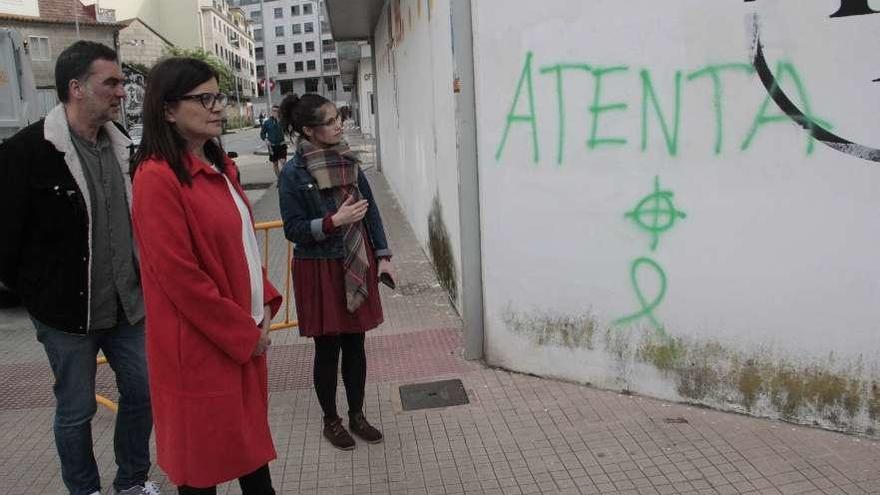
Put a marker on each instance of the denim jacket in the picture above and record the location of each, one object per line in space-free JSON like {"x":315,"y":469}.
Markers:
{"x":304,"y":206}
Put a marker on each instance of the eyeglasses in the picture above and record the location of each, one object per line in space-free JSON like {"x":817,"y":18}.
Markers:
{"x":331,"y":121}
{"x":208,"y":100}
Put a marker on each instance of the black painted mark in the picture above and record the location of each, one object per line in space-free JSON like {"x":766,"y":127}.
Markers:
{"x":794,"y":113}
{"x":850,"y":8}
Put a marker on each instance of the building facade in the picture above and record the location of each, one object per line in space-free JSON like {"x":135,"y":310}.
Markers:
{"x":50,"y":26}
{"x":227,"y":33}
{"x":643,"y":195}
{"x":213,"y":25}
{"x":294,"y":47}
{"x":140,"y":44}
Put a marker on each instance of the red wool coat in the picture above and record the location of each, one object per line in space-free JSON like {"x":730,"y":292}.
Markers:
{"x":210,"y":397}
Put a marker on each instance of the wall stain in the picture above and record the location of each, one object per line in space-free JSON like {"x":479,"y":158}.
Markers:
{"x":570,"y":331}
{"x":441,"y":250}
{"x":828,"y":392}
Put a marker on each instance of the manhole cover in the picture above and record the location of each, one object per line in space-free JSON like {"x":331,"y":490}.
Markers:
{"x":675,"y":421}
{"x":435,"y":394}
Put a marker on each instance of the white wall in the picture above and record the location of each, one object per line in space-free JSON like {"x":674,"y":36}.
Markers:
{"x":417,"y":125}
{"x":365,"y":92}
{"x":20,"y":7}
{"x":772,"y":279}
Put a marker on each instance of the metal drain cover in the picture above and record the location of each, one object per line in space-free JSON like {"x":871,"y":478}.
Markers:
{"x":434,"y":394}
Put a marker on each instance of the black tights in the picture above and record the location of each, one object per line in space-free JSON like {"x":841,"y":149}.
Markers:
{"x":354,"y":371}
{"x":257,"y":483}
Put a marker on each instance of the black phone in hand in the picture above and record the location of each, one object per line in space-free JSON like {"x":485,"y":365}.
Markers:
{"x":386,"y":279}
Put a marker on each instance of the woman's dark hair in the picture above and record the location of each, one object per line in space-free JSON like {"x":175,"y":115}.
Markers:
{"x":297,"y":112}
{"x":167,"y":81}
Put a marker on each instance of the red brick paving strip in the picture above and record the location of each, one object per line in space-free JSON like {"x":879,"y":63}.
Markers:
{"x":400,"y":357}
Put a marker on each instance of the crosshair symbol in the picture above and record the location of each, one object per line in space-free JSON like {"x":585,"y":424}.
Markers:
{"x":656,"y":213}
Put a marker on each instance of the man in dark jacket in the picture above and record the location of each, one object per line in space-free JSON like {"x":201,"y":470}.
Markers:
{"x":67,"y":252}
{"x":272,"y":134}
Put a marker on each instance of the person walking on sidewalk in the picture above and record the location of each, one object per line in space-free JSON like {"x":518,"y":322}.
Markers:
{"x":340,"y":250}
{"x":208,"y":299}
{"x":273,"y":136}
{"x":67,"y":251}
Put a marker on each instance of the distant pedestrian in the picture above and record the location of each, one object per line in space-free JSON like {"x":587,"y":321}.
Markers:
{"x":273,"y":136}
{"x":67,"y":251}
{"x":209,"y":302}
{"x":261,"y":118}
{"x":340,"y":252}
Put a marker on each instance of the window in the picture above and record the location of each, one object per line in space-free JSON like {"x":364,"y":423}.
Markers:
{"x":216,"y":49}
{"x":297,"y":48}
{"x":330,"y":82}
{"x":310,"y":46}
{"x":39,"y":48}
{"x":294,"y":11}
{"x":312,"y":85}
{"x":297,"y":66}
{"x":330,"y":65}
{"x":309,"y":27}
{"x":279,"y":49}
{"x":256,"y":16}
{"x":328,"y":45}
{"x":279,"y":31}
{"x":279,"y":13}
{"x":310,"y":65}
{"x":325,"y":27}
{"x":261,"y":71}
{"x":296,"y":29}
{"x":282,"y":68}
{"x":258,"y":54}
{"x":258,"y":35}
{"x":307,"y":9}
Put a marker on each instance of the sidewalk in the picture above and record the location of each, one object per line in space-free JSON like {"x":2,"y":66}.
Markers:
{"x":518,"y":435}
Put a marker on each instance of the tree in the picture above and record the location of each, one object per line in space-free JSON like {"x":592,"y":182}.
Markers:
{"x":219,"y":66}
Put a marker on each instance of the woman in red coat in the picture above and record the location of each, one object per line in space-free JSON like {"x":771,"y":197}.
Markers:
{"x":209,"y":304}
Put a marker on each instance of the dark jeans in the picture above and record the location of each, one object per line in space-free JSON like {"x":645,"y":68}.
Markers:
{"x":257,"y":483}
{"x":72,"y":358}
{"x":354,"y":371}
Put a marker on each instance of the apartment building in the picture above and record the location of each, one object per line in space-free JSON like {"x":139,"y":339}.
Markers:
{"x":213,"y":25}
{"x":294,"y":47}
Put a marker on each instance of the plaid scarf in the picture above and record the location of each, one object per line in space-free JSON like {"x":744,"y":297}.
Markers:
{"x":336,"y":169}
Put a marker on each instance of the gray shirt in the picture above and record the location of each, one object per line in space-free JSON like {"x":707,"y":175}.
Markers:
{"x":115,"y":284}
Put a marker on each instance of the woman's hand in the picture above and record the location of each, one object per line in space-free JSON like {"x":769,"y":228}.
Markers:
{"x":350,"y":212}
{"x":385,"y":266}
{"x":265,"y":327}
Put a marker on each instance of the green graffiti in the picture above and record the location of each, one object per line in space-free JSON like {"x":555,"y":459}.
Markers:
{"x":597,"y":108}
{"x":560,"y":99}
{"x":785,"y":68}
{"x":656,"y":213}
{"x":524,"y":110}
{"x":647,"y":308}
{"x":713,"y":72}
{"x":648,"y":92}
{"x":512,"y":117}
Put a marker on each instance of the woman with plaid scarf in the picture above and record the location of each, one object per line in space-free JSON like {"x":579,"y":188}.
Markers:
{"x":340,"y":252}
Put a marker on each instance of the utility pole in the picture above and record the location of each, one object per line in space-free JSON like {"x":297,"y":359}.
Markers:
{"x":321,"y":86}
{"x":76,"y":5}
{"x":267,"y":79}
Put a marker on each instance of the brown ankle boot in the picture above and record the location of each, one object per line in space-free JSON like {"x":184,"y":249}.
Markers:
{"x":336,"y":434}
{"x":358,"y":425}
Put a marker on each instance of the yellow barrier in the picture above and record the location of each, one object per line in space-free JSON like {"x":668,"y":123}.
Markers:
{"x":265,"y":228}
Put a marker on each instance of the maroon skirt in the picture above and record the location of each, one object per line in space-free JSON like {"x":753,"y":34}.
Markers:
{"x":319,"y":292}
